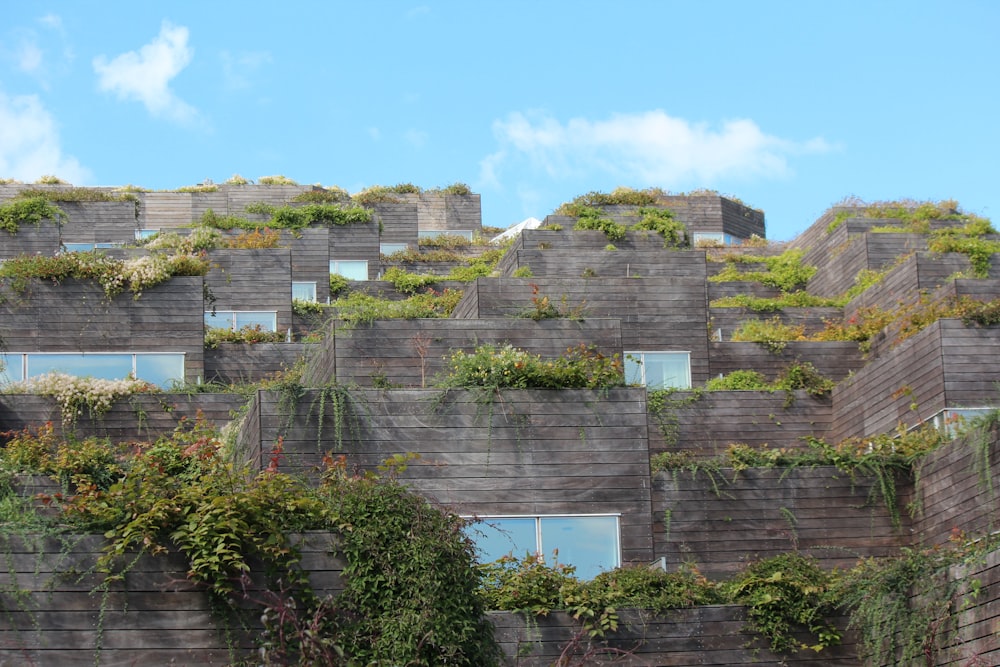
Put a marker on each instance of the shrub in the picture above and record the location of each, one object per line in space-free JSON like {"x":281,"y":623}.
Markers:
{"x":593,"y":219}
{"x":662,"y":221}
{"x":736,"y":380}
{"x":507,"y":367}
{"x":275,"y":180}
{"x":31,"y":210}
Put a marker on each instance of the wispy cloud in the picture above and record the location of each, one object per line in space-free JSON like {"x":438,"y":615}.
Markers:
{"x":145,"y":75}
{"x":238,"y":69}
{"x":28,"y":56}
{"x":649,"y":148}
{"x":29,"y":143}
{"x":418,"y":11}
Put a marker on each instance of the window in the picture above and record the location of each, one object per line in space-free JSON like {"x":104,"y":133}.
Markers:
{"x":391,"y":248}
{"x":951,"y":421}
{"x":352,"y":269}
{"x":304,"y":291}
{"x":713,"y":239}
{"x":658,"y":370}
{"x":591,"y":543}
{"x":267,"y":320}
{"x":85,"y":247}
{"x":143,"y":234}
{"x":466,"y":234}
{"x":159,"y":368}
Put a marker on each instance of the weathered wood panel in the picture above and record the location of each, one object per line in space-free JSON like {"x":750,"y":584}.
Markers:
{"x":721,"y":520}
{"x":835,"y":360}
{"x":239,"y":363}
{"x":707,"y":424}
{"x":77,"y":316}
{"x":252,"y":280}
{"x":707,"y":635}
{"x":656,"y":314}
{"x":412,"y":353}
{"x":40,"y":239}
{"x":165,"y":210}
{"x":523,"y":452}
{"x":140,"y":417}
{"x":945,"y":365}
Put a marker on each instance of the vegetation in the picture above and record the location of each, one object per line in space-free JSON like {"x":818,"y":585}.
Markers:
{"x":410,"y":593}
{"x":329,"y":195}
{"x":912,"y":215}
{"x":28,"y":211}
{"x":249,"y":335}
{"x":360,"y":308}
{"x":593,"y":219}
{"x":290,"y":217}
{"x":785,"y":271}
{"x":662,"y":221}
{"x":507,"y":367}
{"x":115,"y":276}
{"x":275,"y":180}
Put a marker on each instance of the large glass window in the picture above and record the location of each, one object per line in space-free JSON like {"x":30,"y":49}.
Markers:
{"x":159,"y":368}
{"x":391,"y":248}
{"x":590,"y":543}
{"x":267,"y":320}
{"x":11,"y":367}
{"x":304,"y":291}
{"x":658,"y":370}
{"x":352,"y":269}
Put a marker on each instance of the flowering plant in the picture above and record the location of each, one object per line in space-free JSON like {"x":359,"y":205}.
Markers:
{"x":74,"y":394}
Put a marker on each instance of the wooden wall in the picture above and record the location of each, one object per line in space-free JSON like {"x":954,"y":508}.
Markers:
{"x":656,"y":314}
{"x":707,"y":635}
{"x":523,"y":452}
{"x":947,"y":365}
{"x":707,"y":424}
{"x":76,"y":316}
{"x":412,"y":353}
{"x":722,"y":520}
{"x":238,"y":363}
{"x":252,"y":280}
{"x":833,"y":359}
{"x":139,"y":417}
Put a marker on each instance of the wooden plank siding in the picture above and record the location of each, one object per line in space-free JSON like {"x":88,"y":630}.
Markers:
{"x":656,"y":314}
{"x":257,"y":279}
{"x":523,"y":452}
{"x":240,"y":363}
{"x":705,"y":635}
{"x":722,"y":520}
{"x":412,"y":353}
{"x":137,"y":418}
{"x":947,"y":365}
{"x":77,"y":316}
{"x":41,"y":239}
{"x":835,"y":360}
{"x":706,"y":424}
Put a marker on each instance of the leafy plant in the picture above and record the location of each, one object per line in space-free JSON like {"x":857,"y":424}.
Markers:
{"x":406,"y":282}
{"x":772,"y":333}
{"x":328,"y":195}
{"x":785,"y":271}
{"x":662,"y":221}
{"x":784,"y":595}
{"x":248,"y":335}
{"x":738,"y":380}
{"x":31,"y":210}
{"x":594,"y":219}
{"x":507,"y":367}
{"x":358,"y":307}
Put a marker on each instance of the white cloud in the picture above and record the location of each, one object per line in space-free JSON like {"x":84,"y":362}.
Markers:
{"x":649,"y":148}
{"x":29,"y":143}
{"x":29,"y":57}
{"x":238,"y":68}
{"x":374,"y":133}
{"x":145,"y":75}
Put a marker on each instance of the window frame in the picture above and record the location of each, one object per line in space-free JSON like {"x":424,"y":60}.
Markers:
{"x":638,"y":357}
{"x":233,"y":315}
{"x":310,"y":283}
{"x":540,"y":542}
{"x":23,"y":373}
{"x":335,"y":268}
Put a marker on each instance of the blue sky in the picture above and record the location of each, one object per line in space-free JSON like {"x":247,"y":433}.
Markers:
{"x":790,"y":106}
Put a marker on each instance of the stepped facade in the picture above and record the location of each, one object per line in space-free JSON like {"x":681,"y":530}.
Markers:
{"x":608,"y":476}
